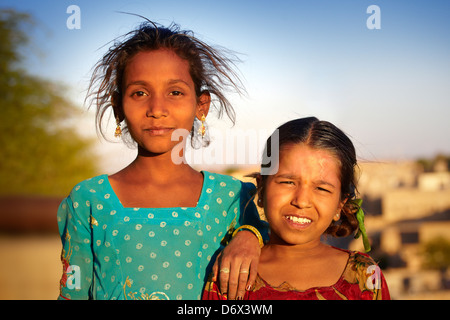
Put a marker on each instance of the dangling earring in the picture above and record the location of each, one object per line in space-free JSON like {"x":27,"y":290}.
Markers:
{"x":118,"y":132}
{"x":202,"y":129}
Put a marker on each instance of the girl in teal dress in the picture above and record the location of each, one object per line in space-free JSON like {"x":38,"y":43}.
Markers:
{"x":154,"y":229}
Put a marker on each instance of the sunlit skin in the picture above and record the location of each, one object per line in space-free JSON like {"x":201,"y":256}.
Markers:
{"x":159,"y":97}
{"x":300,"y":202}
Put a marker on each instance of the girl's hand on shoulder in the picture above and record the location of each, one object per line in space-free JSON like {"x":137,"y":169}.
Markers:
{"x":236,"y":266}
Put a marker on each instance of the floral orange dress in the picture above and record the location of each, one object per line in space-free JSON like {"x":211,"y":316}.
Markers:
{"x":362,"y":279}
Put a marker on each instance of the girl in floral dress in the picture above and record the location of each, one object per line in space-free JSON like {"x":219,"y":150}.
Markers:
{"x":312,"y":193}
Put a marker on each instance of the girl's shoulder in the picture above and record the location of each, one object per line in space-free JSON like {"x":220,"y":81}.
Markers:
{"x":90,"y":186}
{"x":360,"y":267}
{"x":82,"y":195}
{"x":218,"y":177}
{"x":361,"y":259}
{"x":357,"y":258}
{"x":226,"y":181}
{"x":364,"y":272}
{"x":226,"y":189}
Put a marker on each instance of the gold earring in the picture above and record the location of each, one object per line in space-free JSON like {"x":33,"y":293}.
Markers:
{"x":202,"y":129}
{"x":118,"y":132}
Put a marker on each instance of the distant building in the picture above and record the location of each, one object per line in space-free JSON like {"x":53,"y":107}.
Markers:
{"x":406,"y":207}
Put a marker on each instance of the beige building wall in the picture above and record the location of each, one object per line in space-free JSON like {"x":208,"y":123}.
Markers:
{"x":403,"y":204}
{"x":378,"y":178}
{"x":434,"y":181}
{"x":432,"y":230}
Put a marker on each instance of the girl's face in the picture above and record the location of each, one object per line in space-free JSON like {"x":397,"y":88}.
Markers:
{"x":303,"y":197}
{"x":158,"y":98}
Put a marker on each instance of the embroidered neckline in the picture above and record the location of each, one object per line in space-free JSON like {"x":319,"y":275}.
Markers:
{"x":285,"y":286}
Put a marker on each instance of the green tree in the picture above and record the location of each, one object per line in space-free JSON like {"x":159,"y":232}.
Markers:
{"x":42,"y":152}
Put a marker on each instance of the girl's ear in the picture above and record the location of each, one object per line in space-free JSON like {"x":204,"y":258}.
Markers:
{"x":203,"y":104}
{"x":116,"y":103}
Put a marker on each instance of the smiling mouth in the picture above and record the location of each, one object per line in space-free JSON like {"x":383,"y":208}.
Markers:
{"x":298,"y":221}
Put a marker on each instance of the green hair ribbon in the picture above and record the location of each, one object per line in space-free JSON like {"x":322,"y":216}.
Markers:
{"x":362,"y":228}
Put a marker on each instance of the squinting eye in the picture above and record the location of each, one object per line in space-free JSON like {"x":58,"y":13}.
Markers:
{"x":139,"y":94}
{"x":176,"y":93}
{"x":322,"y":189}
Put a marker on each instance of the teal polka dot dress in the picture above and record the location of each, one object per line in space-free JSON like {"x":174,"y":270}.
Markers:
{"x":113,"y":252}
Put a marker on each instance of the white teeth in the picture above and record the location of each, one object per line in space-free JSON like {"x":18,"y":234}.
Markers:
{"x":299,"y":219}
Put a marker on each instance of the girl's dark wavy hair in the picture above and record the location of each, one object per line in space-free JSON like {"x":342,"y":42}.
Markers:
{"x":323,"y":135}
{"x":211,"y":69}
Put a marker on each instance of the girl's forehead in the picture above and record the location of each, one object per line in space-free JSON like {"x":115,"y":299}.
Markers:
{"x":301,"y":158}
{"x":157,"y":60}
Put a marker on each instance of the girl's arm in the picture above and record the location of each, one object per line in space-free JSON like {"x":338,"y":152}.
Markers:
{"x":76,"y":255}
{"x":237,"y":265}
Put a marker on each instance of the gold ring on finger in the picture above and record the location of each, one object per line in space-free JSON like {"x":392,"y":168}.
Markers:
{"x":225,"y":270}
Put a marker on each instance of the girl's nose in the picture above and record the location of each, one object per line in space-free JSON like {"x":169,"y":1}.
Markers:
{"x":301,"y":197}
{"x":156,"y":108}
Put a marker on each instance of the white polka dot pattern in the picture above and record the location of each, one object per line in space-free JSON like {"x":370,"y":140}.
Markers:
{"x":146,"y":253}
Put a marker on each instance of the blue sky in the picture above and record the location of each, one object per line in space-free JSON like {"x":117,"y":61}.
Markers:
{"x":387,"y":88}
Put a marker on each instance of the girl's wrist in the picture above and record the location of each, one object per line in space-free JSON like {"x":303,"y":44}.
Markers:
{"x":253,"y":230}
